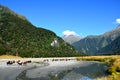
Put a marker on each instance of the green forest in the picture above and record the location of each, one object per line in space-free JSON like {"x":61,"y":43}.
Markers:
{"x":19,"y":37}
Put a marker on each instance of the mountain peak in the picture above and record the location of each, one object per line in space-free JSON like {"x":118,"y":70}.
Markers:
{"x":70,"y":35}
{"x":71,"y":38}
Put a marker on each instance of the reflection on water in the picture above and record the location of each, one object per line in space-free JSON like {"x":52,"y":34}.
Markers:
{"x":83,"y":78}
{"x":80,"y":71}
{"x":89,"y":72}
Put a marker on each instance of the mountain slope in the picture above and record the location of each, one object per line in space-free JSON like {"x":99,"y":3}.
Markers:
{"x":112,"y":49}
{"x":91,"y":44}
{"x":19,"y":37}
{"x":71,"y":38}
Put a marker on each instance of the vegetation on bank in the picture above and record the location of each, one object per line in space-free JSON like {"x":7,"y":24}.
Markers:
{"x":112,"y":61}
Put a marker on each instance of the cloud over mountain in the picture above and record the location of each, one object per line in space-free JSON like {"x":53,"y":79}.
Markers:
{"x":118,"y":20}
{"x":71,"y":36}
{"x":68,"y":32}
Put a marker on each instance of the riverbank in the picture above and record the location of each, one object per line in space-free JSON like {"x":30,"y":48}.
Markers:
{"x":9,"y":57}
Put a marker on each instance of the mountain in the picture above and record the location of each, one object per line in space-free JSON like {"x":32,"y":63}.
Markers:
{"x":71,"y":38}
{"x":19,"y":37}
{"x":92,"y":44}
{"x":112,"y":49}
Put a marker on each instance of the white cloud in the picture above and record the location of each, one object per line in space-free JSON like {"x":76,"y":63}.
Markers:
{"x":68,"y":32}
{"x":118,"y":20}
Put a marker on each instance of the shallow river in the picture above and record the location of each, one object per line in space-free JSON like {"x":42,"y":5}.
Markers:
{"x":64,"y":70}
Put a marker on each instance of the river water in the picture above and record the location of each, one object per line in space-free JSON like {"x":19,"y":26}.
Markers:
{"x":65,"y":70}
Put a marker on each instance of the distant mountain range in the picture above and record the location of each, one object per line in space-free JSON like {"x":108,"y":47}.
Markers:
{"x":111,"y":49}
{"x":19,"y":37}
{"x":101,"y":44}
{"x":71,"y":38}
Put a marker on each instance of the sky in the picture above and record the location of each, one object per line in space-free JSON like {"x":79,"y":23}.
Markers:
{"x":65,"y":17}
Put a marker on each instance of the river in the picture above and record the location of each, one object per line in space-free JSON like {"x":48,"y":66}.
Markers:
{"x":65,"y":70}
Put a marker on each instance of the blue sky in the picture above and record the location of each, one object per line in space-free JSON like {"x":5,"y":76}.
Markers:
{"x":81,"y":17}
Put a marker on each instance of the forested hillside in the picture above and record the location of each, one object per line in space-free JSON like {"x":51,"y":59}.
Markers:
{"x":19,"y":37}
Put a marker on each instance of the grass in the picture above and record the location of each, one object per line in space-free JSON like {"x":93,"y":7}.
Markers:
{"x":9,"y":57}
{"x":112,"y":61}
